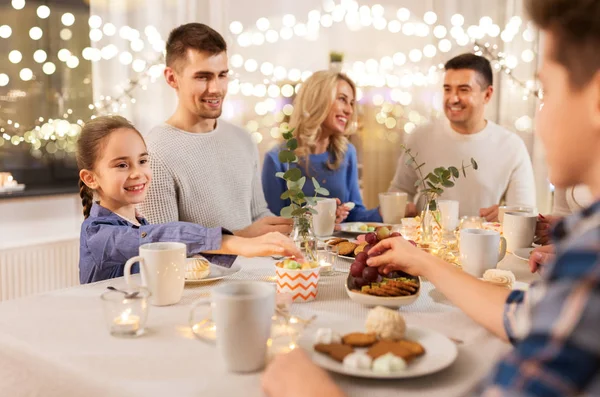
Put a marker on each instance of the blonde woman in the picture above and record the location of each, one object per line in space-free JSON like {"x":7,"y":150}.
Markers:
{"x":324,"y":115}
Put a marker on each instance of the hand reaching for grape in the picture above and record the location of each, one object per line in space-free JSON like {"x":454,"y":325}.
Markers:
{"x":397,"y":254}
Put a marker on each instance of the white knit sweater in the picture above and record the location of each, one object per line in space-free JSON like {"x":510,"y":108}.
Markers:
{"x":207,"y":178}
{"x":505,"y":168}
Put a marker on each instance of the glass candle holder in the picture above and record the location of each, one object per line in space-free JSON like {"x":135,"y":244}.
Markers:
{"x":126,"y":312}
{"x":326,"y":258}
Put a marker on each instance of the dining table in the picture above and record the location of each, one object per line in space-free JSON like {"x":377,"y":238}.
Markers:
{"x":58,"y":344}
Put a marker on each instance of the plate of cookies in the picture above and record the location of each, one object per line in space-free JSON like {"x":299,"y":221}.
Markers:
{"x":383,"y":348}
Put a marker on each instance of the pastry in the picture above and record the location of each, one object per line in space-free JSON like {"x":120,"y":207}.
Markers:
{"x":388,"y":363}
{"x":327,"y":336}
{"x":415,"y":348}
{"x":384,"y":347}
{"x":387,"y":324}
{"x":502,"y":278}
{"x":360,"y":248}
{"x":359,"y":339}
{"x":197,"y":268}
{"x":357,"y":360}
{"x":346,"y":248}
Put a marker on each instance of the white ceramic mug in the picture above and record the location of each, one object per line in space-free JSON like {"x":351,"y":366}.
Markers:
{"x":242,"y":313}
{"x":163,"y":271}
{"x":504,"y":209}
{"x":392,"y":206}
{"x":449,"y":213}
{"x":480,"y":250}
{"x":324,"y":220}
{"x":519,"y":229}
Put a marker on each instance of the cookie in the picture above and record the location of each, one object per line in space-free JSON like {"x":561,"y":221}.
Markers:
{"x":384,"y":347}
{"x":360,"y":248}
{"x":415,"y":348}
{"x":336,"y":241}
{"x":337,"y":351}
{"x":346,"y":248}
{"x":359,"y":339}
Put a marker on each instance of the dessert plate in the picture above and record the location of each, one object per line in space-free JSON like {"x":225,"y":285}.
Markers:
{"x":440,"y":352}
{"x":523,"y":253}
{"x":216,"y":273}
{"x":353,"y":227}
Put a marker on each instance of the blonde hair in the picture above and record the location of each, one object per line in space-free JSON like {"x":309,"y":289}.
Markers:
{"x":311,"y":108}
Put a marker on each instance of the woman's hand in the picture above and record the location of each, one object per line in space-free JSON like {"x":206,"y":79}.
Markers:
{"x":398,"y":254}
{"x":341,"y":213}
{"x":543,"y":227}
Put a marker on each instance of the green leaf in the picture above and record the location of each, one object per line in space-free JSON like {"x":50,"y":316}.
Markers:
{"x":285,"y":195}
{"x":300,"y":195}
{"x":432,"y":205}
{"x":299,"y":211}
{"x":322,"y":191}
{"x":463,"y":169}
{"x":280,"y":175}
{"x":293,"y":174}
{"x":433,"y":178}
{"x":311,"y":201}
{"x":439,"y":191}
{"x":474,"y":164}
{"x":431,"y":185}
{"x":418,"y":182}
{"x":287,"y":135}
{"x":301,"y":182}
{"x":454,"y":172}
{"x":446,"y":175}
{"x":286,"y":212}
{"x":408,"y":161}
{"x":447,"y":183}
{"x":417,"y":168}
{"x":292,"y":144}
{"x":313,"y":211}
{"x":315,"y":183}
{"x":285,"y":156}
{"x":439,"y":171}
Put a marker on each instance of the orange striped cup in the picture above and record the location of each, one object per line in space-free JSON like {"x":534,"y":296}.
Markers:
{"x":301,"y":285}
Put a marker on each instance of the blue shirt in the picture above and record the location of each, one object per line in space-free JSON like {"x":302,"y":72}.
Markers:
{"x":341,"y":183}
{"x":107,"y":241}
{"x":555,"y":325}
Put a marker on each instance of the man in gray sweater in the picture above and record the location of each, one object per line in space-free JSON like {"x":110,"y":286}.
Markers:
{"x":205,"y":169}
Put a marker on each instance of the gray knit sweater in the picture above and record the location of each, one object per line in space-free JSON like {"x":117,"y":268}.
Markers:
{"x":207,"y":178}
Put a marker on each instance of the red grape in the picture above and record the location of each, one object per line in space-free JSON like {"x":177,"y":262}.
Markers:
{"x":371,"y":238}
{"x":395,"y":234}
{"x":367,"y":249}
{"x":356,"y":269}
{"x":361,"y":257}
{"x":360,"y":282}
{"x":370,"y":274}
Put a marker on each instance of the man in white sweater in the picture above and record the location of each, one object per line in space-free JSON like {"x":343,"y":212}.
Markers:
{"x":505,"y":169}
{"x":205,"y":169}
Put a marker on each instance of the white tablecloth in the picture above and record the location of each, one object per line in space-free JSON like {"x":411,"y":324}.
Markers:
{"x":57,"y":344}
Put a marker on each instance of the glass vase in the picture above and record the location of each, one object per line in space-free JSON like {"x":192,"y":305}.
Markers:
{"x":304,"y":236}
{"x":431,"y":227}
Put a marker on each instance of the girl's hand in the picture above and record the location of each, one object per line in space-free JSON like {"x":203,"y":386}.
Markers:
{"x":341,"y":212}
{"x":269,"y":244}
{"x":540,"y":257}
{"x":398,"y":254}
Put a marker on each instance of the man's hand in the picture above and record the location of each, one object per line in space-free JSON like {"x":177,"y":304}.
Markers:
{"x":295,"y":375}
{"x":266,"y":225}
{"x":490,"y":214}
{"x":540,"y":257}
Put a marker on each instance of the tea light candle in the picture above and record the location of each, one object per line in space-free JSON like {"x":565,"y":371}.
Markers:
{"x":126,"y":323}
{"x":326,"y":267}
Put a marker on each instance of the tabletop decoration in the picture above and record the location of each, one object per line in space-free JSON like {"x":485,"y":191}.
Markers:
{"x":125,"y":310}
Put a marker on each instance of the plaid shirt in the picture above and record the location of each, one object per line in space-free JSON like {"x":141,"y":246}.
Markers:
{"x":555,"y":326}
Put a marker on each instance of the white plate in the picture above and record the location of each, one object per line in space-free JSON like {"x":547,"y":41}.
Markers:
{"x":15,"y":188}
{"x":216,"y":273}
{"x":372,"y":300}
{"x":440,"y":352}
{"x":520,"y":285}
{"x":351,"y":227}
{"x":523,"y":253}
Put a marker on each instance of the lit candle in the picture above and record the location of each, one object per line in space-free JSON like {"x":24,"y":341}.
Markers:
{"x":126,"y":323}
{"x":325,"y":266}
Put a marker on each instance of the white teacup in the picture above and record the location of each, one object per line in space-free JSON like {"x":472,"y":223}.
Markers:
{"x":480,"y":250}
{"x":504,"y":209}
{"x":392,"y":206}
{"x":449,"y":214}
{"x":324,"y":220}
{"x":163,"y":271}
{"x":242,"y":313}
{"x":519,"y":229}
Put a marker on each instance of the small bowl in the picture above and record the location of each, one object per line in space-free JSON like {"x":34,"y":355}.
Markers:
{"x":372,"y":300}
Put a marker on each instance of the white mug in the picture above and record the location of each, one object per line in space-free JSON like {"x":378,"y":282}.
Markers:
{"x":163,"y":271}
{"x":479,"y":250}
{"x":504,"y":209}
{"x":519,"y":229}
{"x":449,"y":213}
{"x":324,"y":220}
{"x":392,"y":206}
{"x":242,"y":313}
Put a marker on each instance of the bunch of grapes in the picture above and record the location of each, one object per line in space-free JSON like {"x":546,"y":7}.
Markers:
{"x":360,"y":273}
